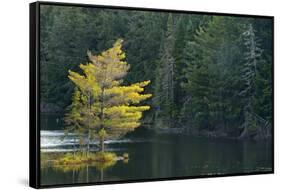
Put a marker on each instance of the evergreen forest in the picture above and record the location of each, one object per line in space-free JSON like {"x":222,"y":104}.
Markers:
{"x":208,"y":75}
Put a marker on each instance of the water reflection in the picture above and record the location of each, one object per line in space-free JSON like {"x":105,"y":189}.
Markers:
{"x":164,"y":156}
{"x":82,"y":172}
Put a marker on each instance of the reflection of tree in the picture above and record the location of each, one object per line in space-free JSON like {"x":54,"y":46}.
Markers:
{"x":80,"y":167}
{"x":100,"y":166}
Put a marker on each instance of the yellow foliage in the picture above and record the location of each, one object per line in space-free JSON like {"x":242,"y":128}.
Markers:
{"x":100,"y":101}
{"x":75,"y":162}
{"x":102,"y":133}
{"x":127,"y":94}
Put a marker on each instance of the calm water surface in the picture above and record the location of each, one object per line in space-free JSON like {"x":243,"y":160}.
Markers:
{"x":156,"y":156}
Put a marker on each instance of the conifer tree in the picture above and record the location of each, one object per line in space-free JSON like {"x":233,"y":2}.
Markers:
{"x":109,"y":108}
{"x":205,"y":75}
{"x":248,"y":75}
{"x":166,"y":79}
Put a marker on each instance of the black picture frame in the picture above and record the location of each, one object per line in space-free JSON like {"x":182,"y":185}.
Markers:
{"x":34,"y":90}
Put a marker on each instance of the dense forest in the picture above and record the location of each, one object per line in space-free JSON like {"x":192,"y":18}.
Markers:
{"x":209,"y":74}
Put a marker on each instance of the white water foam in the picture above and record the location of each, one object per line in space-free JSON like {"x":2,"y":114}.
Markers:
{"x":56,"y":141}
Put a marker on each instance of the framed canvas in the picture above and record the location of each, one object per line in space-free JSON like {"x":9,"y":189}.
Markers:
{"x":122,"y":94}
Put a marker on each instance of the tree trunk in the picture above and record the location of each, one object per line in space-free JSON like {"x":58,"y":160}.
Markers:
{"x":87,"y":174}
{"x":102,"y":120}
{"x":246,"y":124}
{"x":88,"y":143}
{"x":244,"y":133}
{"x":101,"y":144}
{"x":101,"y":175}
{"x":89,"y":134}
{"x":73,"y":154}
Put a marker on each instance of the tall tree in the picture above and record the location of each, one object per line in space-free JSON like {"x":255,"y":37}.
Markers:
{"x":248,"y":75}
{"x":210,"y":67}
{"x":112,"y":108}
{"x":165,"y":99}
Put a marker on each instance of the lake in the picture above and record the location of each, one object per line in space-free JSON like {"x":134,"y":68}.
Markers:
{"x":153,"y":155}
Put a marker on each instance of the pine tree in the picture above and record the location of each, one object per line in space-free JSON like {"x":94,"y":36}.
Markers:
{"x":166,"y":79}
{"x":197,"y":73}
{"x":111,"y":108}
{"x":207,"y":79}
{"x":183,"y":34}
{"x":248,"y":75}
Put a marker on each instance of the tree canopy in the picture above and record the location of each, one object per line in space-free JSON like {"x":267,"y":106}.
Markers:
{"x":207,"y":73}
{"x":101,"y":106}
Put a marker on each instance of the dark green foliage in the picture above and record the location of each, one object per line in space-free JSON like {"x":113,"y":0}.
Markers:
{"x":165,"y":77}
{"x":202,"y":77}
{"x":221,"y":81}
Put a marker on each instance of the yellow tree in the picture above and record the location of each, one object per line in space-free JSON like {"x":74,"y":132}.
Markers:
{"x":106,"y":109}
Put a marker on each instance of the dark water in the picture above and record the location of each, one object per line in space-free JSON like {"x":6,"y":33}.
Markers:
{"x":157,"y":156}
